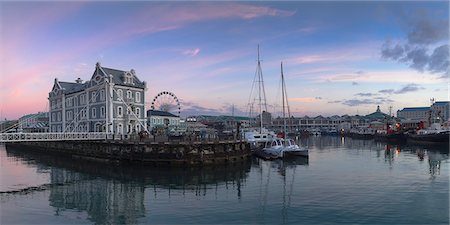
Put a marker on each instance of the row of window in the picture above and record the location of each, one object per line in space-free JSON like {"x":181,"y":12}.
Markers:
{"x":56,"y":117}
{"x":130,"y":128}
{"x":120,"y":111}
{"x":160,"y":121}
{"x":129,"y":96}
{"x":72,"y":101}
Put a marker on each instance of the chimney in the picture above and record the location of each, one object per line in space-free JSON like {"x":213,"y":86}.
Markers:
{"x":79,"y":80}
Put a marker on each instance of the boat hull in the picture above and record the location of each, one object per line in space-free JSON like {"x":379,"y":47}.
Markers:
{"x":439,"y":138}
{"x":395,"y":137}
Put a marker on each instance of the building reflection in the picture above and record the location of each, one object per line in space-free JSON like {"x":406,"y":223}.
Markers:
{"x":115,"y":194}
{"x":434,"y":161}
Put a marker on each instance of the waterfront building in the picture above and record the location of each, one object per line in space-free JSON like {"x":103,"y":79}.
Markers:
{"x":410,"y":117}
{"x":111,"y":101}
{"x":333,"y":123}
{"x":228,"y":123}
{"x":440,"y":111}
{"x":37,"y":122}
{"x":377,"y":116}
{"x":414,"y":113}
{"x":160,"y":120}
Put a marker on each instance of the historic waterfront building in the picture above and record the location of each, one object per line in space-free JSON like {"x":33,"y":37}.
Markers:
{"x":415,"y":113}
{"x":37,"y":122}
{"x":161,"y":119}
{"x":111,"y":101}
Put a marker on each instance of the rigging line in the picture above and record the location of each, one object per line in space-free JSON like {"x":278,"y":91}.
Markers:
{"x":251,"y":91}
{"x":80,"y":111}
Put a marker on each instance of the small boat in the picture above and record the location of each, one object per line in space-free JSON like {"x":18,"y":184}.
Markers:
{"x":256,"y":138}
{"x":435,"y":134}
{"x":430,"y":136}
{"x":274,"y":148}
{"x":291,"y":148}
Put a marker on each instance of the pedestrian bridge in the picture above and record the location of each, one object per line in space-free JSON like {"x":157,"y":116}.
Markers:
{"x":31,"y":137}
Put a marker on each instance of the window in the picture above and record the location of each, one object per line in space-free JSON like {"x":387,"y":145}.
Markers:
{"x":102,"y":112}
{"x":138,"y":97}
{"x":53,"y":117}
{"x":94,"y":96}
{"x":129,"y":128}
{"x":129,"y":95}
{"x":119,"y":94}
{"x":58,"y":103}
{"x":94,"y":113}
{"x":69,"y":115}
{"x":82,"y":99}
{"x":138,"y":112}
{"x":102,"y":95}
{"x":83,"y":113}
{"x":119,"y":128}
{"x":59,"y":116}
{"x":119,"y":111}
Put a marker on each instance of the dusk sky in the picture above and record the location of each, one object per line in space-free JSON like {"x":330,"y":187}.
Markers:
{"x":338,"y":57}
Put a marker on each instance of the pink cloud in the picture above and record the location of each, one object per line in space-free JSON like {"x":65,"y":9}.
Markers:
{"x":304,"y":100}
{"x":192,"y":52}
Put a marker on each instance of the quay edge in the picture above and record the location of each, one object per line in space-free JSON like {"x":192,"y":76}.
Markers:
{"x":151,"y":153}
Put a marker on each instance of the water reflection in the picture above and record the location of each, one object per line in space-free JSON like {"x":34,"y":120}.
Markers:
{"x":115,"y":194}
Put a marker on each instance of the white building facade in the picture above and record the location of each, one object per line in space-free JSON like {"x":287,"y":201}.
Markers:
{"x":111,"y":101}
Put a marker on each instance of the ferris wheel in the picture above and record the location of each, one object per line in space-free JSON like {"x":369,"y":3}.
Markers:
{"x":166,"y":101}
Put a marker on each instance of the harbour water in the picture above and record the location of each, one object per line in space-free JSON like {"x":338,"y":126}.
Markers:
{"x":343,"y":181}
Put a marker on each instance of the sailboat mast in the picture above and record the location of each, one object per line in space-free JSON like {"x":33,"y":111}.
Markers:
{"x":261,"y":92}
{"x":283,"y":96}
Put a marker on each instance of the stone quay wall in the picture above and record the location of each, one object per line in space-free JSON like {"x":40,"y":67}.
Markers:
{"x":155,"y":153}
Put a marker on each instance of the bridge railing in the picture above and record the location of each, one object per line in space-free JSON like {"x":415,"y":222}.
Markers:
{"x":23,"y":137}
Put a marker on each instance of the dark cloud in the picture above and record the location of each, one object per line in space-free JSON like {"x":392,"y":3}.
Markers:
{"x":360,"y":72}
{"x":365,"y":94}
{"x":337,"y":101}
{"x":417,"y":58}
{"x":395,"y":53}
{"x":439,"y":60}
{"x":419,"y":49}
{"x":318,"y":98}
{"x":425,"y":31}
{"x":409,"y":88}
{"x":405,"y":89}
{"x":374,"y":101}
{"x":354,"y":83}
{"x":387,"y":91}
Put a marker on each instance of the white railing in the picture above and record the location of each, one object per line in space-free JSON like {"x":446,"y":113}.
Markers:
{"x":28,"y":137}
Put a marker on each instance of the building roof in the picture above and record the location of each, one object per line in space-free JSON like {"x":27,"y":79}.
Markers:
{"x":118,"y":76}
{"x":441,"y":103}
{"x":411,"y":109}
{"x":377,"y":114}
{"x":160,"y":113}
{"x":72,"y":87}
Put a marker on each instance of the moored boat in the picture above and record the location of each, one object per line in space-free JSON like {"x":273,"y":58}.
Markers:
{"x":433,"y":135}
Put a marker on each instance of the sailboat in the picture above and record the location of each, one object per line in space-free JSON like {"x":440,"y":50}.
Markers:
{"x":284,"y":147}
{"x":258,"y":136}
